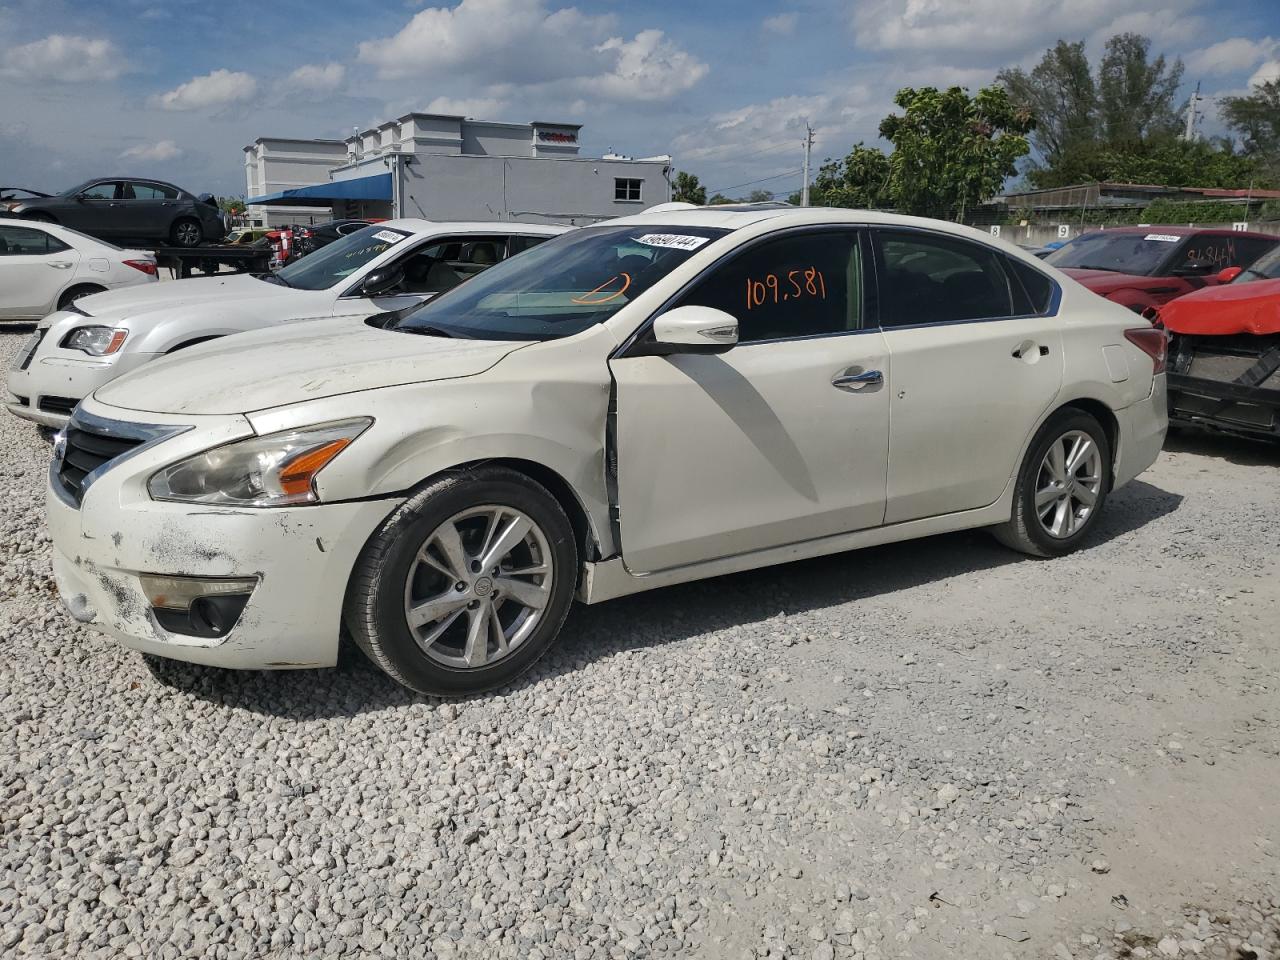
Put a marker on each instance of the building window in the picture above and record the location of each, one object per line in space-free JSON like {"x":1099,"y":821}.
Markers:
{"x":624,"y":189}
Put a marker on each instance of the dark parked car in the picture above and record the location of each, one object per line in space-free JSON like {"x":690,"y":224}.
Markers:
{"x":120,"y":208}
{"x":1143,"y":267}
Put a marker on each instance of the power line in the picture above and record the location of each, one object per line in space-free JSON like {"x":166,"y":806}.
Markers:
{"x":776,"y":176}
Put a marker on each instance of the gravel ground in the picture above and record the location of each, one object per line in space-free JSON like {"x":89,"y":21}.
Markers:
{"x":937,"y":749}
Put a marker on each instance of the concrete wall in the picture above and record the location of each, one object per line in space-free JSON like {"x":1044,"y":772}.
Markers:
{"x":1037,"y":235}
{"x":486,"y":140}
{"x":272,"y":165}
{"x":526,"y":188}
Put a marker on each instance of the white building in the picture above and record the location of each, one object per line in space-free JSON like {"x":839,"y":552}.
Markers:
{"x":449,"y":168}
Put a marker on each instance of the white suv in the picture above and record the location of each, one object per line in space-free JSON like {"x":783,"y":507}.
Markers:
{"x":384,"y":267}
{"x":648,"y":401}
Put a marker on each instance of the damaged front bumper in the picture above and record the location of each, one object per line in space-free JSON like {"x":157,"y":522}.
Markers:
{"x":1226,"y":383}
{"x":120,"y":558}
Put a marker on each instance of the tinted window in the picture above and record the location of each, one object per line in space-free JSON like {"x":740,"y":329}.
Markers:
{"x":1136,"y":253}
{"x":624,"y":189}
{"x":444,"y":264}
{"x":800,"y":285}
{"x":521,"y":244}
{"x":100,"y":191}
{"x":153,"y":191}
{"x":25,"y":241}
{"x":1266,"y":267}
{"x":927,"y":278}
{"x":1208,"y":253}
{"x":1037,"y":288}
{"x":564,"y":286}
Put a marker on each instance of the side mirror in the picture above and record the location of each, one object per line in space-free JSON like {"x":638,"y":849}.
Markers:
{"x":382,"y":280}
{"x":1228,"y":274}
{"x":1193,"y":268}
{"x":691,"y":330}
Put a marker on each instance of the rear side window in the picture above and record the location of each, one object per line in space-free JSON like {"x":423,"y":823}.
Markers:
{"x":1037,"y":288}
{"x":27,"y":242}
{"x":928,"y":278}
{"x":521,"y":244}
{"x":800,"y":285}
{"x":153,"y":191}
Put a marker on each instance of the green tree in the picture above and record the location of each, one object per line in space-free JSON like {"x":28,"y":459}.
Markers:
{"x":1061,"y":93}
{"x":1136,"y":93}
{"x":687,"y":189}
{"x":1255,"y":118}
{"x":231,"y":205}
{"x":759,"y":196}
{"x":720,"y":200}
{"x":953,"y":151}
{"x":862,"y":180}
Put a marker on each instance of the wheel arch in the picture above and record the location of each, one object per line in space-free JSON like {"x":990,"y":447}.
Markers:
{"x":91,"y":288}
{"x":1106,"y":418}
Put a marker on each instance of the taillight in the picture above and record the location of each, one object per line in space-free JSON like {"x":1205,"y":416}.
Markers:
{"x":1153,"y":342}
{"x":146,"y":266}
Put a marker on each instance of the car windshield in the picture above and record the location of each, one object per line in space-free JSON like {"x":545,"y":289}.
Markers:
{"x":1266,"y":267}
{"x":337,"y":261}
{"x":561,"y":287}
{"x":78,"y":188}
{"x":1137,"y":253}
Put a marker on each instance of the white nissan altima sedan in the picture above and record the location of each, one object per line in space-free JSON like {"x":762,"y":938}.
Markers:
{"x":384,"y":267}
{"x":648,"y":401}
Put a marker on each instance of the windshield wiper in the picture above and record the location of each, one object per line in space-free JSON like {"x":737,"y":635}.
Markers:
{"x":427,"y":331}
{"x":1085,"y":266}
{"x":275,"y":278}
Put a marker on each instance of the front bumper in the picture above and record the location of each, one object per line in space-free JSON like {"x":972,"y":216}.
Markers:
{"x":1225,"y":405}
{"x":301,"y":557}
{"x":55,"y":380}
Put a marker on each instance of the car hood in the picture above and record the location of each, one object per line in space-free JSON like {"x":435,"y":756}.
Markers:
{"x":234,"y":288}
{"x":1224,"y":310}
{"x":306,"y":361}
{"x":1105,"y":281}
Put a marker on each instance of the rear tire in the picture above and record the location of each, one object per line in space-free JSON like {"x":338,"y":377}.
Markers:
{"x":186,"y":232}
{"x":78,"y":293}
{"x":1062,"y":486}
{"x":485,"y":562}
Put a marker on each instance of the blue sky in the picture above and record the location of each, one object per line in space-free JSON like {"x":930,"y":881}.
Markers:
{"x":176,"y":89}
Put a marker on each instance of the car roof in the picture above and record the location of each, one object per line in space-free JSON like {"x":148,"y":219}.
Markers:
{"x":430,"y":227}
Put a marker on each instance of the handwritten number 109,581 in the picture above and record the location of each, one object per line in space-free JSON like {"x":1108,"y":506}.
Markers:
{"x":796,"y":285}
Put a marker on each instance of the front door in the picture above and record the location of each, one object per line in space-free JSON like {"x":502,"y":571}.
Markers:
{"x":975,"y":358}
{"x":780,"y":440}
{"x":96,"y":211}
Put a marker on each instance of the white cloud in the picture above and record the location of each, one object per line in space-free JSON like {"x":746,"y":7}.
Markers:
{"x":217,"y":89}
{"x":1231,"y":56}
{"x":1268,"y":71}
{"x":503,"y":44}
{"x":650,"y":67}
{"x":63,"y":58}
{"x":784,"y":24}
{"x":316,"y":77}
{"x":163,"y":150}
{"x":976,"y":28}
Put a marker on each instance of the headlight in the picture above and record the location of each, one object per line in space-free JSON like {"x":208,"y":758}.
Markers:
{"x":272,"y":471}
{"x":95,"y":341}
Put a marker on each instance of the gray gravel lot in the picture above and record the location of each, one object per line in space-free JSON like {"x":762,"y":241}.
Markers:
{"x":937,"y":749}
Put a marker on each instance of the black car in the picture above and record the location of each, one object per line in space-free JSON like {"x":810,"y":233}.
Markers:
{"x":307,"y":239}
{"x":122,"y":208}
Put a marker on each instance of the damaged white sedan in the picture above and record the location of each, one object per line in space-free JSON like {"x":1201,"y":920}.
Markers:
{"x":649,"y":401}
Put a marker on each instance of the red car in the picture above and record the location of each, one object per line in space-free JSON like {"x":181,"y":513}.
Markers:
{"x":1224,"y":353}
{"x":1143,"y":267}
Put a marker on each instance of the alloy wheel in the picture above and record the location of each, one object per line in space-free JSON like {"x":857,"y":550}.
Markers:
{"x":479,"y":586}
{"x":1069,"y":484}
{"x":188,"y":234}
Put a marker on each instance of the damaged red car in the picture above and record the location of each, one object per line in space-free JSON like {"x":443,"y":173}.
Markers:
{"x":1224,"y":353}
{"x":1143,"y":267}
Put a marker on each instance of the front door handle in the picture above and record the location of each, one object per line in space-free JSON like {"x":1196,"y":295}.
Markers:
{"x":858,"y":381}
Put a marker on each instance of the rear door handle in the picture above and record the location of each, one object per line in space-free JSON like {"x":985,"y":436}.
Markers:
{"x":60,"y":264}
{"x":1026,"y":348}
{"x":858,"y":381}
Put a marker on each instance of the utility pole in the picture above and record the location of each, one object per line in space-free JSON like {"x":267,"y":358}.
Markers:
{"x":808,"y":147}
{"x":1192,"y":118}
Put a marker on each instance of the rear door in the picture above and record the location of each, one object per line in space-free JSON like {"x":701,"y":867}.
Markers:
{"x":148,"y":209}
{"x":973,"y":364}
{"x":35,"y":266}
{"x":772,"y":442}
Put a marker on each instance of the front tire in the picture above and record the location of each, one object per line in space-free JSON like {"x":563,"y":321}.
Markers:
{"x":466,"y":585}
{"x":1062,"y":486}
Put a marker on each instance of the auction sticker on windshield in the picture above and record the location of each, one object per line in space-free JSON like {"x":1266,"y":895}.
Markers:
{"x":388,"y":236}
{"x":1162,"y":237}
{"x":678,"y":241}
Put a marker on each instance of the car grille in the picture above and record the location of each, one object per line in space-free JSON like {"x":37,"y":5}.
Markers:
{"x":58,"y":404}
{"x":86,"y":452}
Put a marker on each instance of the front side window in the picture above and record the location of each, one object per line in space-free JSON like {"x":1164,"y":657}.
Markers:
{"x":929,"y":278}
{"x":800,"y":285}
{"x":332,"y":264}
{"x":28,"y":242}
{"x":444,"y":264}
{"x":625,"y":189}
{"x":100,"y":191}
{"x":1266,"y":267}
{"x":521,"y":244}
{"x":564,"y":286}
